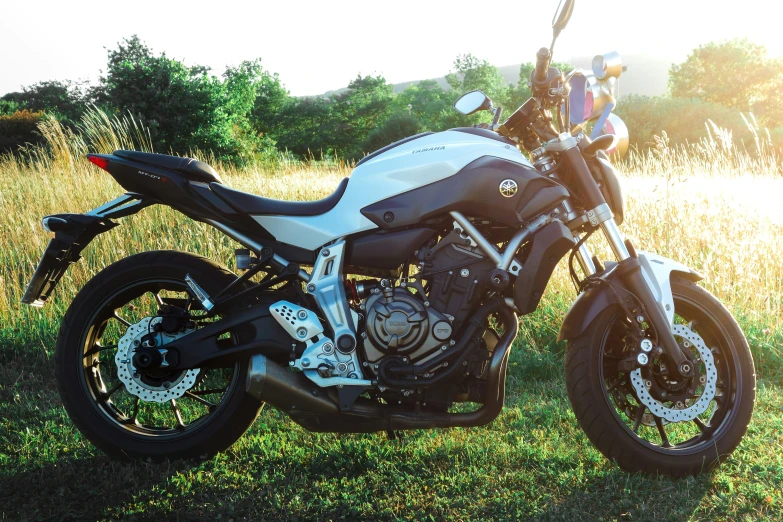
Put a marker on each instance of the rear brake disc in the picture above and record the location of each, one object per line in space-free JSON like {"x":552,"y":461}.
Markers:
{"x":173,"y":388}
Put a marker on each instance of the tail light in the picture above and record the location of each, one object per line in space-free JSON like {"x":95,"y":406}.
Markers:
{"x":101,"y":162}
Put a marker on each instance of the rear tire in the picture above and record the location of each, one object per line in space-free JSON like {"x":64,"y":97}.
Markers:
{"x":102,"y":421}
{"x":609,"y":427}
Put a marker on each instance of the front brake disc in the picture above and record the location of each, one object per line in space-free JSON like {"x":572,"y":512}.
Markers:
{"x":702,"y":403}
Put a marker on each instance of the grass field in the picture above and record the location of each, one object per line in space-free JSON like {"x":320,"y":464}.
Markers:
{"x":718,"y":212}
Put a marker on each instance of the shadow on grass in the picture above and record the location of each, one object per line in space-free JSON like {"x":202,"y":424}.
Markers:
{"x":337,"y":486}
{"x":77,"y":489}
{"x":616,"y":495}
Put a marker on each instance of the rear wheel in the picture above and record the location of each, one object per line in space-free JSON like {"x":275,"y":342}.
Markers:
{"x":625,"y":414}
{"x":154,"y":414}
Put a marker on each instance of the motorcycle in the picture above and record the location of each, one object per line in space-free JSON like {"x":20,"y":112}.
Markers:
{"x":448,"y":238}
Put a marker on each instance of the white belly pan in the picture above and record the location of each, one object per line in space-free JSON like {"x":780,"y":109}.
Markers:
{"x":403,"y":168}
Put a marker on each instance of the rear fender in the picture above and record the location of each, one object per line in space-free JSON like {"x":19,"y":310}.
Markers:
{"x":72,"y":234}
{"x":657,"y":271}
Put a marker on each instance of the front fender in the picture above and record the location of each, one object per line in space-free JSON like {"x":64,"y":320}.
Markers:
{"x":657,"y":271}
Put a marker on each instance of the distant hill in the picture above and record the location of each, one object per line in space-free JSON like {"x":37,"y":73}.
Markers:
{"x":646,"y":75}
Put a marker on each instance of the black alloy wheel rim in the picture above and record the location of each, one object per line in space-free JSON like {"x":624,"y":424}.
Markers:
{"x":124,"y":411}
{"x":683,"y":437}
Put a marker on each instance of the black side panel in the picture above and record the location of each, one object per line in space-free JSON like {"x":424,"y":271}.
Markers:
{"x":391,"y":146}
{"x":475,"y":191}
{"x":550,"y":244}
{"x":486,"y":133}
{"x":292,"y":253}
{"x":386,"y":250}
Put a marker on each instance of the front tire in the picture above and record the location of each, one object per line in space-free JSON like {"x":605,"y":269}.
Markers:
{"x":617,"y":422}
{"x":212,"y":415}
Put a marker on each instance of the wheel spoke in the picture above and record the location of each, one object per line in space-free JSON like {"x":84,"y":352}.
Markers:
{"x":177,"y":414}
{"x":618,"y":382}
{"x":120,"y":319}
{"x":109,"y":393}
{"x":203,"y":401}
{"x":662,"y":432}
{"x":706,"y":430}
{"x":132,"y":418}
{"x":208,"y":392}
{"x":98,"y":348}
{"x":638,"y":419}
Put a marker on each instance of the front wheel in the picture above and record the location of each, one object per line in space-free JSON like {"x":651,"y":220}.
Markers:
{"x":652,"y":420}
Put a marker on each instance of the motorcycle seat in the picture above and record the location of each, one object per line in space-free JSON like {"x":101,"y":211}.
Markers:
{"x":251,"y":204}
{"x":192,"y":169}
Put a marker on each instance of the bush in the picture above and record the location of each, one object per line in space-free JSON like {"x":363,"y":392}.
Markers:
{"x":683,"y":120}
{"x":19,"y":128}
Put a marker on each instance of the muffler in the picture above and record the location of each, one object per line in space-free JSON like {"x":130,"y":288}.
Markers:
{"x":287,"y":391}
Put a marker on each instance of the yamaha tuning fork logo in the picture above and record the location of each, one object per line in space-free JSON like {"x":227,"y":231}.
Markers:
{"x":508,"y":188}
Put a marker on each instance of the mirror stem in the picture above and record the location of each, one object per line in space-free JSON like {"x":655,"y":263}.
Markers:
{"x":498,"y":112}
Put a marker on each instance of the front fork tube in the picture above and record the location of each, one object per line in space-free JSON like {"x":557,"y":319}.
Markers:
{"x":629,"y":270}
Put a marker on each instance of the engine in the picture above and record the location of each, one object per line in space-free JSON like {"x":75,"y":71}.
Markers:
{"x":400,"y":323}
{"x":415,"y":321}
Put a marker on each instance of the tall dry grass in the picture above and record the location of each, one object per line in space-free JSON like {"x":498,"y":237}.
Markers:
{"x":711,"y":205}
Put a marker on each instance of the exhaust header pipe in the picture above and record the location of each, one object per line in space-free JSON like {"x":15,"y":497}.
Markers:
{"x":317,"y":409}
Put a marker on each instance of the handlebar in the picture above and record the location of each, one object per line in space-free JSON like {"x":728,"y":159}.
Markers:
{"x":542,"y":65}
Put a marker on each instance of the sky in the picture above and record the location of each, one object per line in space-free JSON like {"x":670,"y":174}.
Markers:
{"x":321,"y":46}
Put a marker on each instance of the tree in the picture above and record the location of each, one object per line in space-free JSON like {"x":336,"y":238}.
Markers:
{"x":185,"y":108}
{"x":363,"y":107}
{"x":243,"y":85}
{"x":472,"y":73}
{"x":429,"y":104}
{"x":304,"y":126}
{"x":397,"y":127}
{"x":66,"y":100}
{"x":272,"y":99}
{"x":735,"y":73}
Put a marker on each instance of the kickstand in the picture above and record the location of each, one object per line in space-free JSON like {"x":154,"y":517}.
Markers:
{"x":394,"y":435}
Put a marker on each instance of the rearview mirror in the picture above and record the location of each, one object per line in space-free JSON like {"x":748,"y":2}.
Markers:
{"x":473,"y":101}
{"x":562,"y":16}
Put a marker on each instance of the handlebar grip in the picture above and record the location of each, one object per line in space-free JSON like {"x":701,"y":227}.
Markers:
{"x":542,"y":64}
